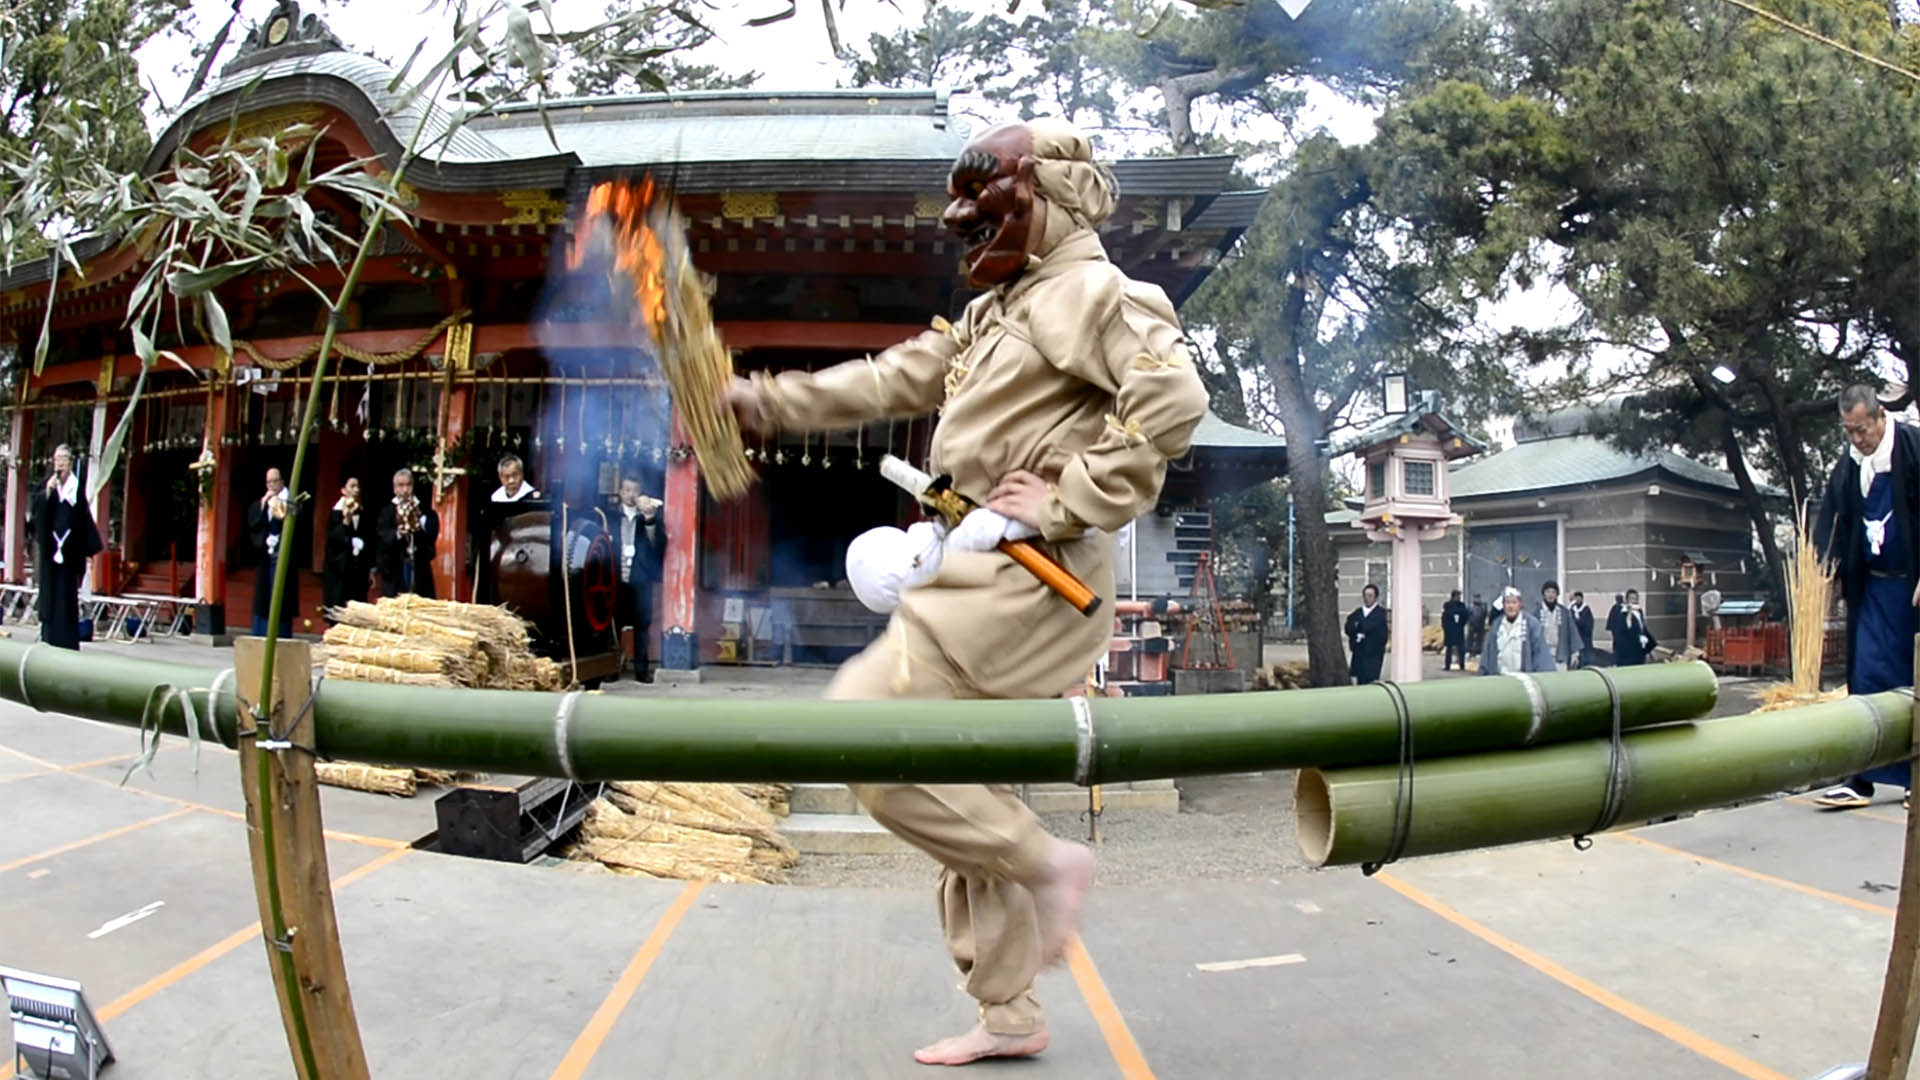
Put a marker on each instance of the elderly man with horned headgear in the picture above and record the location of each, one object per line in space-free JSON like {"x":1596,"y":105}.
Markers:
{"x":1062,"y":392}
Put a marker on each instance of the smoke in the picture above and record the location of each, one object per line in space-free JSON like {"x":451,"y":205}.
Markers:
{"x":609,"y":414}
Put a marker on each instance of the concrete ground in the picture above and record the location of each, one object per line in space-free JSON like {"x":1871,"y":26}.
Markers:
{"x":1748,"y":942}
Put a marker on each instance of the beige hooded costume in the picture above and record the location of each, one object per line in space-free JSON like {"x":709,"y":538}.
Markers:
{"x":1076,"y":373}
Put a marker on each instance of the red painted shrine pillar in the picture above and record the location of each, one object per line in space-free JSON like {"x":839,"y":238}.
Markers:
{"x":453,"y":499}
{"x":17,"y":481}
{"x":210,"y":537}
{"x":680,"y":577}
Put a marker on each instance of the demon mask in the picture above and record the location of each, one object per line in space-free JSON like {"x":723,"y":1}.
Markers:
{"x":993,"y":211}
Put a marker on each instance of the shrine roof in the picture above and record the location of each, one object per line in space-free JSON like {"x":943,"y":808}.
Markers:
{"x":1219,"y":434}
{"x":1577,"y":461}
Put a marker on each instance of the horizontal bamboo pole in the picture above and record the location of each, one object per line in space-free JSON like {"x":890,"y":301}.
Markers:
{"x":1346,"y":816}
{"x":598,"y":737}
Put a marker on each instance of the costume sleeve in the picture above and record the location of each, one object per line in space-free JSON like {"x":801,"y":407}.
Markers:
{"x":904,"y":381}
{"x":1138,"y":354}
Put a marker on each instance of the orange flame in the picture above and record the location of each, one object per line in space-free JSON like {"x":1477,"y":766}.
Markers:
{"x":629,"y":209}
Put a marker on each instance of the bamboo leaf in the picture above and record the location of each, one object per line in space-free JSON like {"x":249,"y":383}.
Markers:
{"x":142,"y":345}
{"x":102,"y":470}
{"x":768,"y":20}
{"x":198,"y":282}
{"x":217,"y":325}
{"x":46,"y":322}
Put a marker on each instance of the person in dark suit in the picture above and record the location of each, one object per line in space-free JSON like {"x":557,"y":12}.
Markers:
{"x":408,"y":529}
{"x":643,"y":551}
{"x":1632,"y":640}
{"x":1367,"y":636}
{"x":1476,"y":625}
{"x":265,"y":518}
{"x":65,"y":537}
{"x":1868,"y":530}
{"x":1453,"y":632}
{"x":1583,"y":630}
{"x":348,"y":569}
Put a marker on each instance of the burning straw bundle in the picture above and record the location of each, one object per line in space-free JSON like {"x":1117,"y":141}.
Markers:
{"x":635,"y":232}
{"x":705,"y":832}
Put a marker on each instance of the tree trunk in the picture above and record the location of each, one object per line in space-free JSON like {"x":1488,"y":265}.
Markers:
{"x":1307,"y":480}
{"x":1756,"y":506}
{"x":1786,"y":430}
{"x":1180,"y":92}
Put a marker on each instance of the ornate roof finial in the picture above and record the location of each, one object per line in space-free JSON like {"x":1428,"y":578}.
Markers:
{"x":285,"y":32}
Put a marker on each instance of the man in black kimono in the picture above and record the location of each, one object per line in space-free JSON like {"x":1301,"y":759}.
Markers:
{"x":1868,"y":529}
{"x":643,"y":550}
{"x":408,"y":530}
{"x":64,"y":538}
{"x":1583,"y":630}
{"x":349,"y":559}
{"x":1367,"y":636}
{"x":1632,"y":641}
{"x":1476,"y":625}
{"x":1453,"y":632}
{"x":265,"y":516}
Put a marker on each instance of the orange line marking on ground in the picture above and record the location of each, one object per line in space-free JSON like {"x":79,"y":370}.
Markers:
{"x":1863,"y":905}
{"x":1126,"y":1052}
{"x":114,"y":760}
{"x":94,"y":839}
{"x":1856,"y":812}
{"x":42,"y":762}
{"x":580,"y":1055}
{"x":208,"y":955}
{"x":332,"y":834}
{"x":1639,"y":1014}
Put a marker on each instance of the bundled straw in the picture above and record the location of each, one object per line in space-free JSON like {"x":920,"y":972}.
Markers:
{"x":648,"y":241}
{"x":706,"y":832}
{"x":372,"y":778}
{"x":1808,"y":583}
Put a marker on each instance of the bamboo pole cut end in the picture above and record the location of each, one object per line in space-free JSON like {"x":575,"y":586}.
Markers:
{"x":1313,"y":815}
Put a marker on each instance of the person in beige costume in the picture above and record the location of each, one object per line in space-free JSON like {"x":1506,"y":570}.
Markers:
{"x":1063,"y":391}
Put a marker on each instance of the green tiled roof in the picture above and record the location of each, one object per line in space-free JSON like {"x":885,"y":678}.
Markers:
{"x":1574,"y":461}
{"x":1217,"y":433}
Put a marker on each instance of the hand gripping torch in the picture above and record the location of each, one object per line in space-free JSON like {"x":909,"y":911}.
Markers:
{"x":940,"y":497}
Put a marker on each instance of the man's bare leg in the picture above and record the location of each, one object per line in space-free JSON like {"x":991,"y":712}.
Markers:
{"x":980,"y":1043}
{"x":1057,"y":894}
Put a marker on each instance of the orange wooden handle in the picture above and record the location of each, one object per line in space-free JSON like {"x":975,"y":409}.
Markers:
{"x":1055,"y":576}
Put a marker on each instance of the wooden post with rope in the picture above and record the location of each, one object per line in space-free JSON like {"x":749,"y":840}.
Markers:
{"x":1893,"y":1035}
{"x":316,"y":1007}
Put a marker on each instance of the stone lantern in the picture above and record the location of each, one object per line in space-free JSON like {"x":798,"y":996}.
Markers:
{"x":1405,"y":454}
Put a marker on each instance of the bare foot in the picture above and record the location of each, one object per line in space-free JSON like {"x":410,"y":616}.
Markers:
{"x":1057,"y":895}
{"x":980,"y":1043}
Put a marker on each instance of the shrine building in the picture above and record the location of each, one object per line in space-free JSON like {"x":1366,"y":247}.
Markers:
{"x":817,"y":213}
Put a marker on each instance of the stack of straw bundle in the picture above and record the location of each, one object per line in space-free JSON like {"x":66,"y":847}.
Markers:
{"x":700,"y":832}
{"x":409,"y":639}
{"x":412,"y":641}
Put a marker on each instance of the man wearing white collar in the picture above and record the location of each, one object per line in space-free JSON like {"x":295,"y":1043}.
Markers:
{"x":348,"y":569}
{"x":64,"y":539}
{"x":1367,"y":636}
{"x":643,"y":548}
{"x":408,"y":529}
{"x":265,"y":518}
{"x":513,"y":482}
{"x":1869,"y":528}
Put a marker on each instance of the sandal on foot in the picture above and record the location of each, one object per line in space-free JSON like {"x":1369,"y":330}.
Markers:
{"x":1842,"y":798}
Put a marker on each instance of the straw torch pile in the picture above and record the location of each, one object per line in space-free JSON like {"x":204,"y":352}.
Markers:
{"x":631,"y":231}
{"x":1809,"y":583}
{"x":696,"y":832}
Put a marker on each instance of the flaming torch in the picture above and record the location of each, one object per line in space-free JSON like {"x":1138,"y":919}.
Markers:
{"x":632,"y":230}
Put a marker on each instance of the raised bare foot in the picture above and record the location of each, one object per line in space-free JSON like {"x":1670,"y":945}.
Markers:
{"x":980,"y":1043}
{"x":1057,"y":895}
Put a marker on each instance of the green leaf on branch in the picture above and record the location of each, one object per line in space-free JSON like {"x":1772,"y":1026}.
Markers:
{"x":195,"y":282}
{"x":217,"y":326}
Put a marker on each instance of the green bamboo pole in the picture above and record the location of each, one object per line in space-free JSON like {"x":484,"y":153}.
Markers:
{"x":1346,"y":816}
{"x":1037,"y":741}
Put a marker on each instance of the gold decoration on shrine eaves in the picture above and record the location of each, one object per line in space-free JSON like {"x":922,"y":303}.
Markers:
{"x":459,"y":347}
{"x":276,"y":120}
{"x":930,"y":204}
{"x":532,"y":207}
{"x":745,"y":205}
